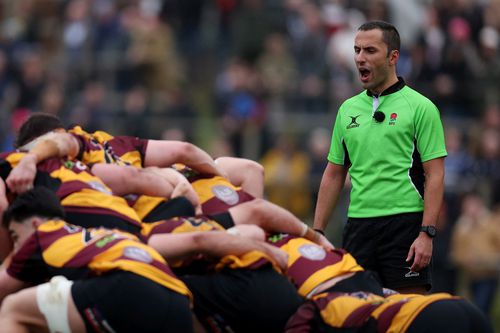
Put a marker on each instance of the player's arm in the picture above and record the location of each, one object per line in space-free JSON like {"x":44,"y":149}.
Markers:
{"x":421,"y":249}
{"x":274,"y":219}
{"x":8,"y":284}
{"x":215,"y":244}
{"x":166,"y":183}
{"x":52,"y":144}
{"x":181,"y":186}
{"x":245,"y":173}
{"x":329,"y":191}
{"x":164,"y":153}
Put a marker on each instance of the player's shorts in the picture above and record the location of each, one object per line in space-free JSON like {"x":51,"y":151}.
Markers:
{"x":126,"y":302}
{"x":245,"y":300}
{"x":175,"y":207}
{"x":361,"y":281}
{"x":224,"y":219}
{"x":451,"y":315}
{"x":381,"y":244}
{"x":109,"y":221}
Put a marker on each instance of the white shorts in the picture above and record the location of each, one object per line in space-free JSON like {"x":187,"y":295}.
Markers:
{"x":52,"y":299}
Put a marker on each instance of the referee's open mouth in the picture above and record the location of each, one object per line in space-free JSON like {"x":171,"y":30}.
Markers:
{"x":364,"y":74}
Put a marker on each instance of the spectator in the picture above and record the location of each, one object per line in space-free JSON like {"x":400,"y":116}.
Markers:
{"x":287,"y":170}
{"x":476,"y":249}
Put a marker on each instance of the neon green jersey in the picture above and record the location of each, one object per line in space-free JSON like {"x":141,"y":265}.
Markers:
{"x":385,"y":158}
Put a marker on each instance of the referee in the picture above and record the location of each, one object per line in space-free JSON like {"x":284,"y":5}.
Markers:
{"x":390,"y":139}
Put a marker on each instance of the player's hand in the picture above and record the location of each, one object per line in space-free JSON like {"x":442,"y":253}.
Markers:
{"x":323,"y":241}
{"x":279,"y":256}
{"x":21,"y":177}
{"x":421,"y":252}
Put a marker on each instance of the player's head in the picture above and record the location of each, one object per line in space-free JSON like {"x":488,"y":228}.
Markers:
{"x":37,"y":125}
{"x":28,"y":210}
{"x":376,"y":48}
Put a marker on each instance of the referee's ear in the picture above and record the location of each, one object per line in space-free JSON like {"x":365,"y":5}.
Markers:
{"x":393,"y":57}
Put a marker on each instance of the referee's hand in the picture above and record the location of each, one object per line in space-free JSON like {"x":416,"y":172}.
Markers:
{"x":420,"y":252}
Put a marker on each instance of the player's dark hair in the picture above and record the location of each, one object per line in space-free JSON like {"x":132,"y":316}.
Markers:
{"x":39,"y":201}
{"x":37,"y":125}
{"x":390,"y":34}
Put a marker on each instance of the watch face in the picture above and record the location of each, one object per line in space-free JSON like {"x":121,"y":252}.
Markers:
{"x":429,"y":230}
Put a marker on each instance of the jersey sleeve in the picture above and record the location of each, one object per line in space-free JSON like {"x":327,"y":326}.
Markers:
{"x":128,"y":147}
{"x":27,"y":263}
{"x":338,"y":153}
{"x":429,"y":133}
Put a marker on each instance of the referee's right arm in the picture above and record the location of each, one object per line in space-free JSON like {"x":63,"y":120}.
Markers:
{"x":329,"y":192}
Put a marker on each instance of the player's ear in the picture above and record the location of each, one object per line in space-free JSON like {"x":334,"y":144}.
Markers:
{"x":35,"y":221}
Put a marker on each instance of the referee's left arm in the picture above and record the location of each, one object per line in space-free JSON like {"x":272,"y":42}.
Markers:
{"x":421,"y":248}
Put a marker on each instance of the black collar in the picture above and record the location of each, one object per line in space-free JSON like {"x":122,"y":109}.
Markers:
{"x":392,"y":89}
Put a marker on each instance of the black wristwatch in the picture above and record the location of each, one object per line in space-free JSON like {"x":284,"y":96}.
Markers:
{"x":430,"y":230}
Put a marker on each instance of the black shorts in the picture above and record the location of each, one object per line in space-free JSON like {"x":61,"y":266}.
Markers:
{"x":90,"y":220}
{"x":245,"y":300}
{"x":224,"y":219}
{"x":451,"y":315}
{"x":175,"y":207}
{"x":381,"y":244}
{"x":361,"y":281}
{"x":131,"y":303}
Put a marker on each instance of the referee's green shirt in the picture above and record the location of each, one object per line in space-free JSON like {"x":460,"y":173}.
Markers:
{"x":386,"y":158}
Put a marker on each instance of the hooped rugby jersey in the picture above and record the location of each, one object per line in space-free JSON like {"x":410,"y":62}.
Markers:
{"x":216,"y":193}
{"x":309,"y":264}
{"x":59,"y":248}
{"x":393,"y":314}
{"x":102,"y":147}
{"x":78,"y":190}
{"x":249,"y":260}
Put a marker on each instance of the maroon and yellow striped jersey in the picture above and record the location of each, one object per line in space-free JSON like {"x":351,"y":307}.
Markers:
{"x":179,"y":225}
{"x":309,"y":264}
{"x":102,"y":147}
{"x":250,"y":260}
{"x":59,"y":248}
{"x":393,"y":314}
{"x":77,"y":188}
{"x":216,"y":193}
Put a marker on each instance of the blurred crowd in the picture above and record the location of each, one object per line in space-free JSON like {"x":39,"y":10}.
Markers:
{"x":263,"y":79}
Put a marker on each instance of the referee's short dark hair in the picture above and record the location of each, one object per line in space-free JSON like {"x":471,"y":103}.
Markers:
{"x":37,"y":125}
{"x":39,"y":201}
{"x":390,"y":34}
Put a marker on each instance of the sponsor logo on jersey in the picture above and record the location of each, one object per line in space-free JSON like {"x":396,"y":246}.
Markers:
{"x":138,"y":254}
{"x":79,"y":166}
{"x":276,"y":238}
{"x":394,"y":117}
{"x":312,"y":252}
{"x":226,"y":194}
{"x":353,"y":123}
